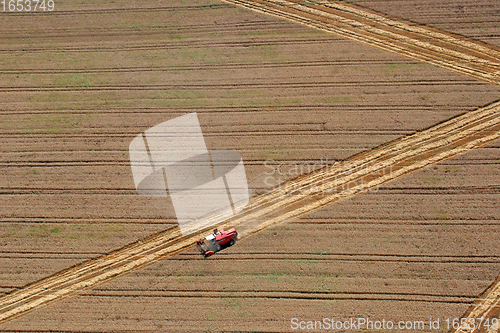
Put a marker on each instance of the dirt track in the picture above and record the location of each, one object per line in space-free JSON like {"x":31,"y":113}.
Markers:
{"x":487,"y":306}
{"x":446,"y":50}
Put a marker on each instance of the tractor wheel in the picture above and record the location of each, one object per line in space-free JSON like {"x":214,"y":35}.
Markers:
{"x":218,"y":247}
{"x":231,"y":242}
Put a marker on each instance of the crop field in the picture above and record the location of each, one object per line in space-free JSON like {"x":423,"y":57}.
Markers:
{"x":79,"y":83}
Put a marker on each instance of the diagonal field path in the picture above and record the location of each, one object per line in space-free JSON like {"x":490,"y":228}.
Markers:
{"x":487,"y":306}
{"x":440,"y":48}
{"x":359,"y":173}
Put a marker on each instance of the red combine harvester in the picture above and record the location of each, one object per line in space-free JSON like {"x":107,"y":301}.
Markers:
{"x":217,"y":241}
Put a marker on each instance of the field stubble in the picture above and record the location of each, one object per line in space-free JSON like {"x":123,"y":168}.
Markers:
{"x":65,"y":133}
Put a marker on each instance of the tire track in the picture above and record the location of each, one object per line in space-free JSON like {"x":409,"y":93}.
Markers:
{"x":231,"y":86}
{"x":117,"y":10}
{"x":256,"y":256}
{"x":100,"y":133}
{"x":211,"y":67}
{"x":438,"y":190}
{"x":186,"y":30}
{"x":247,"y":109}
{"x":170,"y":46}
{"x":296,"y":198}
{"x":450,"y":51}
{"x":317,"y":221}
{"x":297,"y":295}
{"x":72,"y":219}
{"x":125,"y":163}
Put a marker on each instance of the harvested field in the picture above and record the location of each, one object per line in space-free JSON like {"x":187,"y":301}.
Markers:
{"x":365,"y":171}
{"x":414,"y":230}
{"x":279,"y":93}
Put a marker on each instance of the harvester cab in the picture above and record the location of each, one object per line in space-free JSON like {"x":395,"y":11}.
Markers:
{"x":217,"y":241}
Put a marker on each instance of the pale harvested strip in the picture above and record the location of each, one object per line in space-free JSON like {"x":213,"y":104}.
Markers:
{"x":307,"y":193}
{"x":486,"y":307}
{"x":450,"y":51}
